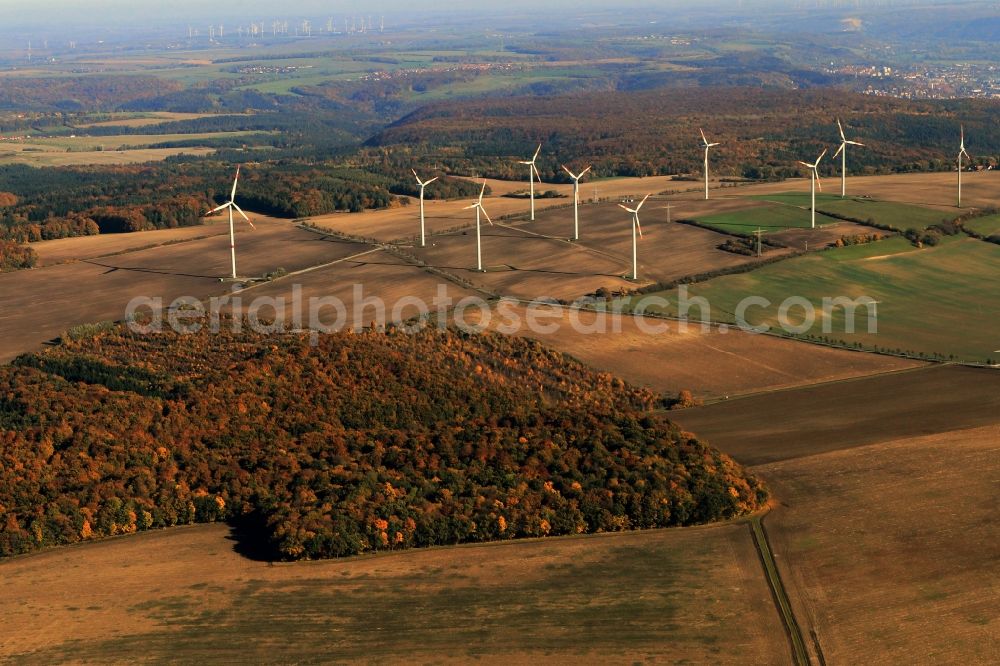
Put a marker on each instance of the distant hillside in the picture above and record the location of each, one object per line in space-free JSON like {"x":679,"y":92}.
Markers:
{"x":764,"y":132}
{"x":370,"y":441}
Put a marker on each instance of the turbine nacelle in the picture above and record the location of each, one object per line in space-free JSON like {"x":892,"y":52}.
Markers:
{"x":232,"y":202}
{"x":479,"y":204}
{"x":423,"y":183}
{"x":704,"y":140}
{"x":532,"y":169}
{"x":635,"y":213}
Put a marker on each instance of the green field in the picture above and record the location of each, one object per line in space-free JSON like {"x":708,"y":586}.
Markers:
{"x":768,"y":218}
{"x":985,"y":226}
{"x":938,"y":300}
{"x":896,"y":215}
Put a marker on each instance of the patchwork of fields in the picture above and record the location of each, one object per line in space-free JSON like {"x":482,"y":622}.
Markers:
{"x":883,"y":469}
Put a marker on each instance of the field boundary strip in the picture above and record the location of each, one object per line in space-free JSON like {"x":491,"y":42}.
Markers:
{"x":800,"y":655}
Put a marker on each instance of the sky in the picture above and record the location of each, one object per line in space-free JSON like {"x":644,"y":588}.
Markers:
{"x":58,"y":15}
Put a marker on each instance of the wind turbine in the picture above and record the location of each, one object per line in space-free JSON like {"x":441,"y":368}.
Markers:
{"x":707,"y":146}
{"x":422,"y":184}
{"x":813,"y":181}
{"x":479,"y":209}
{"x":842,"y":151}
{"x":532,"y":172}
{"x":231,"y":204}
{"x":635,"y":228}
{"x":961,"y":151}
{"x":576,"y":199}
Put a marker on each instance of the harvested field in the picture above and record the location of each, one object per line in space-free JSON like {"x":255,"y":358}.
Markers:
{"x":404,"y":222}
{"x":145,"y":119}
{"x":52,"y":158}
{"x":183,"y":595}
{"x":937,"y":190}
{"x":710,"y":363}
{"x":807,"y":421}
{"x":388,"y":288}
{"x":43,"y":303}
{"x":891,"y":550}
{"x":63,"y":250}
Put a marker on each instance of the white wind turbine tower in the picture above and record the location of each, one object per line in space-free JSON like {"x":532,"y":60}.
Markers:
{"x":231,"y":204}
{"x":707,"y":146}
{"x":842,"y":151}
{"x":423,"y":184}
{"x":576,"y":199}
{"x":961,"y":151}
{"x":479,"y":209}
{"x":635,"y":228}
{"x":813,"y":182}
{"x":532,"y":173}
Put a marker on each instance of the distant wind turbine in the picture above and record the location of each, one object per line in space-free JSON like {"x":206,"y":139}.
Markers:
{"x":707,"y":147}
{"x":813,"y":182}
{"x":532,"y":173}
{"x":961,"y":151}
{"x":423,"y":184}
{"x":576,"y":199}
{"x":842,"y":151}
{"x":479,"y":209}
{"x":635,"y":228}
{"x":231,"y":204}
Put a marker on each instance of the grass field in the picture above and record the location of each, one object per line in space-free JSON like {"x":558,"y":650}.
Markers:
{"x":937,"y":300}
{"x":767,"y":218}
{"x":182,"y":595}
{"x":985,"y":226}
{"x":897,"y":215}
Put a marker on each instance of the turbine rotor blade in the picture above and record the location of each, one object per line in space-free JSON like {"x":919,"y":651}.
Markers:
{"x":584,"y":171}
{"x":637,"y":225}
{"x":569,"y":172}
{"x":487,"y":215}
{"x":703,"y":139}
{"x":539,"y":150}
{"x":841,"y":128}
{"x":431,"y":180}
{"x":232,"y":196}
{"x":640,"y":203}
{"x":222,"y":207}
{"x":240,"y":210}
{"x":840,"y":150}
